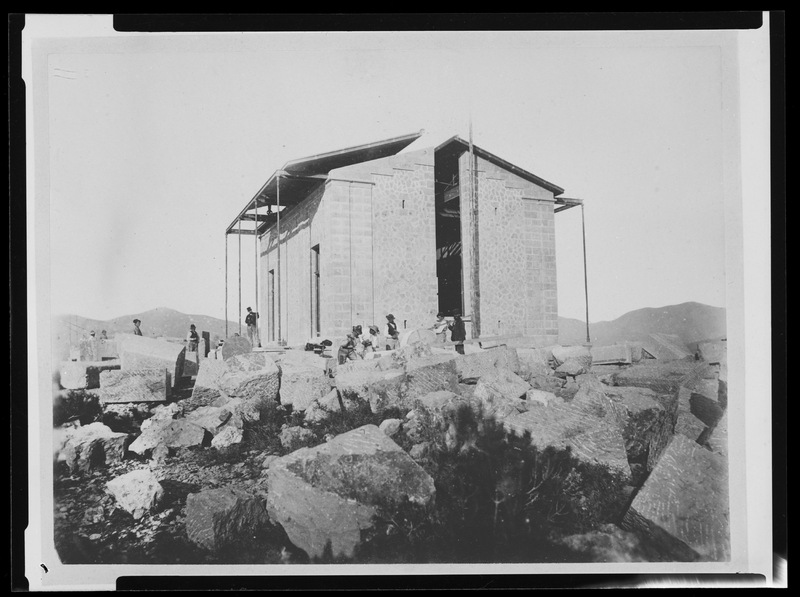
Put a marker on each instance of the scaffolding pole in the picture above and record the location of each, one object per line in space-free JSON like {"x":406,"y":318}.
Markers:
{"x":226,"y":283}
{"x":240,"y":277}
{"x":475,"y":305}
{"x":585,"y":276}
{"x":257,"y":339}
{"x":278,"y":269}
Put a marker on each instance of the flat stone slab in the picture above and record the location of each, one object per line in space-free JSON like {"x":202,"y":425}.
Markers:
{"x":140,"y":352}
{"x":170,"y":433}
{"x":251,"y":376}
{"x":218,"y":517}
{"x":134,"y":385}
{"x":683,"y":506}
{"x":470,"y":367}
{"x":84,"y":375}
{"x":329,"y":493}
{"x":592,"y":438}
{"x":302,"y":384}
{"x":501,"y":393}
{"x":607,"y":355}
{"x":581,"y":354}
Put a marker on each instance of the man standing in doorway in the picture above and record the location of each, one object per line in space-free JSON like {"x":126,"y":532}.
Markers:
{"x":252,"y":326}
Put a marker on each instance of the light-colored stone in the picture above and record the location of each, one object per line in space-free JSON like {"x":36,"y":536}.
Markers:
{"x":470,"y":367}
{"x":227,"y":436}
{"x":178,"y":433}
{"x":571,"y":368}
{"x":140,"y":352}
{"x":683,"y":506}
{"x":390,"y":426}
{"x":235,"y":345}
{"x":581,"y":354}
{"x":134,"y":385}
{"x":301,"y":384}
{"x":162,"y":412}
{"x":84,"y":375}
{"x":541,"y":397}
{"x":252,"y":376}
{"x":619,"y":354}
{"x":219,"y":517}
{"x":91,"y":446}
{"x":136,"y":492}
{"x":330,"y":493}
{"x":501,"y":393}
{"x":214,"y":418}
{"x":592,"y":437}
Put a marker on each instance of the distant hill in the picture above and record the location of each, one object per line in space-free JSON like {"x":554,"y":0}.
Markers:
{"x":691,"y":322}
{"x":159,"y":322}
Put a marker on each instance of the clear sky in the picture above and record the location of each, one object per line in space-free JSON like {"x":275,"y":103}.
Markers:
{"x":156,"y":142}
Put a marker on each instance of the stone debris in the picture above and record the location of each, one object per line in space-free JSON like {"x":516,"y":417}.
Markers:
{"x":328,"y":494}
{"x":301,"y":384}
{"x":134,"y":385}
{"x":177,"y":433}
{"x":571,"y":368}
{"x":136,"y":492}
{"x":140,"y":352}
{"x":588,"y":434}
{"x":390,"y":426}
{"x":84,"y":375}
{"x":683,"y":505}
{"x":608,"y":543}
{"x":645,"y":424}
{"x":87,"y":448}
{"x":536,"y":397}
{"x":302,"y":358}
{"x":501,"y":393}
{"x":581,"y":354}
{"x":250,"y":376}
{"x":718,"y":438}
{"x":235,"y":345}
{"x":617,"y":354}
{"x":219,"y":517}
{"x":471,"y":367}
{"x":162,"y":412}
{"x":534,"y":361}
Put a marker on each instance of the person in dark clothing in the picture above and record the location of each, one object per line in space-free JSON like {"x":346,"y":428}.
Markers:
{"x":458,"y":333}
{"x":251,"y":319}
{"x":392,"y":335}
{"x":136,"y":330}
{"x":347,"y":351}
{"x":192,"y":339}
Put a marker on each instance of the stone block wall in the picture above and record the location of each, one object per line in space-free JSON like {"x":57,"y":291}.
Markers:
{"x":517,"y":276}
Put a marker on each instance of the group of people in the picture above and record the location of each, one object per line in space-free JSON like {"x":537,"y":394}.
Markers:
{"x":357,"y":344}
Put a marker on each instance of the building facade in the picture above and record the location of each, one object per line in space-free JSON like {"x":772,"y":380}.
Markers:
{"x":368,"y":231}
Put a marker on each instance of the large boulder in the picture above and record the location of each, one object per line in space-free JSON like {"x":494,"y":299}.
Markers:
{"x":470,"y":367}
{"x":134,"y":385}
{"x":328,"y":494}
{"x":87,"y":448}
{"x":534,"y":361}
{"x":683,"y":506}
{"x":139,"y":352}
{"x":617,"y":354}
{"x":250,"y":376}
{"x":662,"y":377}
{"x":430,"y":374}
{"x":177,"y":433}
{"x":191,"y":363}
{"x":302,"y":358}
{"x":219,"y":517}
{"x":571,"y":368}
{"x":592,"y":435}
{"x":235,"y":345}
{"x":580,"y":354}
{"x":84,"y":375}
{"x":136,"y":492}
{"x":501,"y":393}
{"x":301,"y":384}
{"x":645,"y":424}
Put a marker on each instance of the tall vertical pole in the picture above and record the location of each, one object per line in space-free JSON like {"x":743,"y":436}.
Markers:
{"x":255,"y":267}
{"x":278,"y":269}
{"x":226,"y":284}
{"x":585,"y":276}
{"x":240,"y":277}
{"x":476,"y":287}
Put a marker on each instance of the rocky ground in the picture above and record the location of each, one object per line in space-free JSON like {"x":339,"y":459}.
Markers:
{"x":614,"y":424}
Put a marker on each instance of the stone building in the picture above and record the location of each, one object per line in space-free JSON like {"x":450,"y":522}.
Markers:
{"x":348,"y":236}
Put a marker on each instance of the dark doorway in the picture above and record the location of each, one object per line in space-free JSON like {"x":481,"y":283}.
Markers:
{"x":448,"y":235}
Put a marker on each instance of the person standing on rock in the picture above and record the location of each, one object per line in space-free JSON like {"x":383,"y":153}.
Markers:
{"x":136,"y":329}
{"x":252,"y":326}
{"x":192,"y":339}
{"x":458,"y":333}
{"x":392,"y":335}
